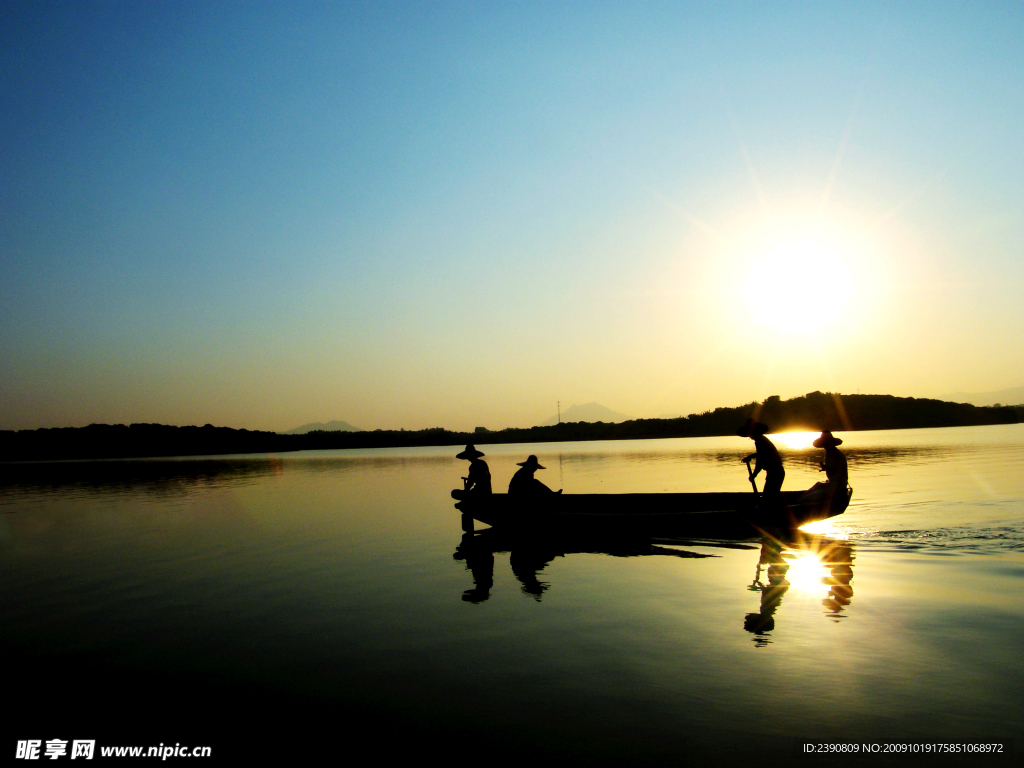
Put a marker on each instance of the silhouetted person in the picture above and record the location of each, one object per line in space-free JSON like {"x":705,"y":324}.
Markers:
{"x":834,"y":465}
{"x":478,"y":483}
{"x":766,"y":456}
{"x":525,"y":484}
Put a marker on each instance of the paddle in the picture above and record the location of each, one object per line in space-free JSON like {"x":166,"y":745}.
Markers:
{"x":750,"y":475}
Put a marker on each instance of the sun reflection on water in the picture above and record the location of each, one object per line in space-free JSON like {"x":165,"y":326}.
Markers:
{"x":808,"y":563}
{"x":795,"y":441}
{"x":806,"y":572}
{"x":825,"y":528}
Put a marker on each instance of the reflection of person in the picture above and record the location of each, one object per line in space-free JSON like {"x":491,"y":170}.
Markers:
{"x":529,"y":555}
{"x":834,"y":465}
{"x":766,"y":456}
{"x":478,"y":482}
{"x":771,"y":593}
{"x":524,"y":483}
{"x":839,"y":560}
{"x":527,"y":562}
{"x":479,"y":560}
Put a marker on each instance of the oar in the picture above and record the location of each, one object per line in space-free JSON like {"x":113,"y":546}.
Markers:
{"x":750,"y":475}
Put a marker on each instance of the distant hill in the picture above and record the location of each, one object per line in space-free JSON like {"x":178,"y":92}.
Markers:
{"x":590,"y":412}
{"x":1013,"y":396}
{"x":323,"y":426}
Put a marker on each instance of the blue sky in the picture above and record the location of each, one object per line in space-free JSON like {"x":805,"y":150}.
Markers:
{"x":409,"y":215}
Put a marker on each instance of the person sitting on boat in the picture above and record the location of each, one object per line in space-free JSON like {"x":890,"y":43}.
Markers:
{"x":478,"y":483}
{"x":524,"y":483}
{"x":834,"y":465}
{"x":766,"y":456}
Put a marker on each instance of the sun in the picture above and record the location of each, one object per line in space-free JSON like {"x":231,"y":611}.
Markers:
{"x":797,"y":287}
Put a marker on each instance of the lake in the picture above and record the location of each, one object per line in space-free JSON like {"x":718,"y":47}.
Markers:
{"x":329,"y":603}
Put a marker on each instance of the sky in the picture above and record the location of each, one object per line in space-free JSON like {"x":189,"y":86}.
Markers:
{"x":409,"y":215}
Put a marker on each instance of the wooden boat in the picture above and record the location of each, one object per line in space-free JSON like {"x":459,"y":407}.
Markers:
{"x":725,"y":514}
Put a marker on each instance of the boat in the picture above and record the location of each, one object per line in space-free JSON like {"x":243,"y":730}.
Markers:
{"x":718,"y":514}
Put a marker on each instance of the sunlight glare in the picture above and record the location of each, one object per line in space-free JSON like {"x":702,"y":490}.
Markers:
{"x":825,"y":528}
{"x":806,"y":572}
{"x":794,"y":441}
{"x":797,"y":287}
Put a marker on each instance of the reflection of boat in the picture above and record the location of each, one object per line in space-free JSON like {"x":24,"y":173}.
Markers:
{"x":718,"y":513}
{"x":530,"y":554}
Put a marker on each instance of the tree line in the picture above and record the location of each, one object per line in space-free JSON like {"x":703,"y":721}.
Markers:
{"x":814,"y":411}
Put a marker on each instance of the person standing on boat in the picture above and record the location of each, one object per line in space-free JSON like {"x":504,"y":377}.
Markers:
{"x":478,"y":483}
{"x":766,"y":457}
{"x":834,"y":465}
{"x":524,"y":483}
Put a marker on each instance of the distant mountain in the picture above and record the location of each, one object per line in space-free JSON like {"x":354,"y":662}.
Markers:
{"x":323,"y":426}
{"x":590,"y":412}
{"x":1013,"y":396}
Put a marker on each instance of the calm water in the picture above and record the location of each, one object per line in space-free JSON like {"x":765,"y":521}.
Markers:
{"x":319,"y":603}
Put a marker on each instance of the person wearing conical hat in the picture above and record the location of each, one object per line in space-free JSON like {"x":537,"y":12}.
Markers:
{"x":524,"y":483}
{"x":834,"y":465}
{"x":766,"y":456}
{"x":478,"y":482}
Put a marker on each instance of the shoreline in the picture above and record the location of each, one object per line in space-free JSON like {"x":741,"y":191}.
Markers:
{"x":813,"y":412}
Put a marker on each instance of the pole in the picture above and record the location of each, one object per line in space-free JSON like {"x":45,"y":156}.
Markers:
{"x":750,"y":476}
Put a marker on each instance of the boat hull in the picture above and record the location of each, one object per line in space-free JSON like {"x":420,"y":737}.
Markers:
{"x":727,"y":514}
